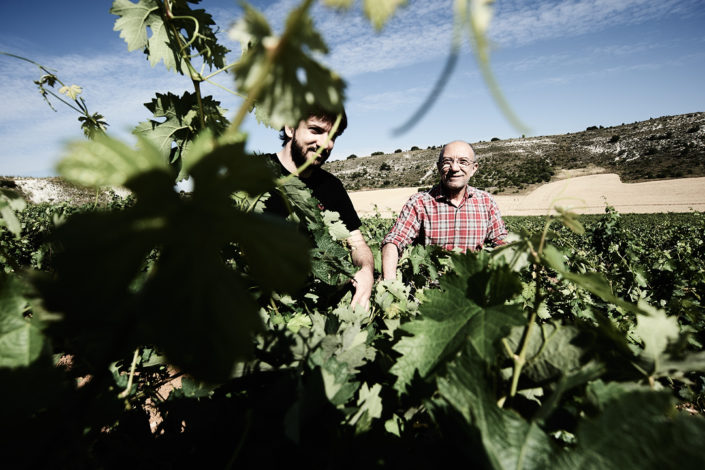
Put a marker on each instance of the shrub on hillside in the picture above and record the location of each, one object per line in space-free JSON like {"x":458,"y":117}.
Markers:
{"x":377,"y":153}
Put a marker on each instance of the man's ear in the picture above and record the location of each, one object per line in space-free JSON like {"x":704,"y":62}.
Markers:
{"x":289,"y":131}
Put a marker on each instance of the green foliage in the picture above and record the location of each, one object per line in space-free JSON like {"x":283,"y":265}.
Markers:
{"x":525,"y":356}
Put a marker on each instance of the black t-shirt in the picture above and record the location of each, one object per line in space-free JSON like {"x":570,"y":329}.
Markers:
{"x":325,"y":187}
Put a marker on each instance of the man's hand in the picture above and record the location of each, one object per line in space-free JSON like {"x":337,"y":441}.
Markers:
{"x":364,"y":278}
{"x":363,"y":282}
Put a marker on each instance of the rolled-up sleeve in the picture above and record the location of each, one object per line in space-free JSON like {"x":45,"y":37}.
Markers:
{"x":406,"y":228}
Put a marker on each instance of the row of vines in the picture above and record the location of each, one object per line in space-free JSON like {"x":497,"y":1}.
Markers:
{"x":171,"y":330}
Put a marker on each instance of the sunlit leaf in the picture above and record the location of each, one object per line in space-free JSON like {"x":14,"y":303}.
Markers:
{"x":71,"y":91}
{"x":137,"y":19}
{"x":656,"y":330}
{"x":289,"y":81}
{"x":379,"y":11}
{"x":336,"y":227}
{"x":105,"y":161}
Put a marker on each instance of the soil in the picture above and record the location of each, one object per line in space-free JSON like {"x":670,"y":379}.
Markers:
{"x":585,"y":194}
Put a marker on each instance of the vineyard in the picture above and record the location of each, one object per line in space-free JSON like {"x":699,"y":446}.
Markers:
{"x":168,"y":330}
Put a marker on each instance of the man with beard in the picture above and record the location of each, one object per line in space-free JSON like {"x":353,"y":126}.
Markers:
{"x":452,"y":214}
{"x":299,"y":145}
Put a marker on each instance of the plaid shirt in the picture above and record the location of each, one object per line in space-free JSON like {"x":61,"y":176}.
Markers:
{"x":430,"y":218}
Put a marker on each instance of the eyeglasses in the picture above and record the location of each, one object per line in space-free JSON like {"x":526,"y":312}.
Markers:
{"x":462,"y":162}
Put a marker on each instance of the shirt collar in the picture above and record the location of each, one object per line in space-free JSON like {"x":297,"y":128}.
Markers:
{"x":438,"y":192}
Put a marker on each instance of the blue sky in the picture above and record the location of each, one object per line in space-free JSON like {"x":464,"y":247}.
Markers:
{"x":563,"y":65}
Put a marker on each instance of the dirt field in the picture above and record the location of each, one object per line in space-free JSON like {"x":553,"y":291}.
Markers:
{"x":583,"y":194}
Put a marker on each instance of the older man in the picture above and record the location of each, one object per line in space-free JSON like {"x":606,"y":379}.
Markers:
{"x":299,"y":145}
{"x":452,"y":214}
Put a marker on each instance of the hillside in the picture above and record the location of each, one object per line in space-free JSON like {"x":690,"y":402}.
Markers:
{"x":660,"y":148}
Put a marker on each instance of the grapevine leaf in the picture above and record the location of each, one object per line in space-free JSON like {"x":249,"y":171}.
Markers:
{"x":336,"y":228}
{"x":570,"y":220}
{"x":10,"y":203}
{"x":653,"y":435}
{"x":508,"y":440}
{"x":228,"y":169}
{"x":691,"y":362}
{"x":71,"y":91}
{"x":370,"y":409}
{"x":174,"y":135}
{"x":550,"y":352}
{"x":294,"y":82}
{"x":108,"y":162}
{"x":202,"y":145}
{"x":21,"y":340}
{"x":298,"y":321}
{"x":656,"y":330}
{"x":180,"y":114}
{"x":135,"y":19}
{"x":270,"y":238}
{"x":211,"y":313}
{"x":354,"y":350}
{"x":336,"y":381}
{"x":450,"y":316}
{"x":379,"y":11}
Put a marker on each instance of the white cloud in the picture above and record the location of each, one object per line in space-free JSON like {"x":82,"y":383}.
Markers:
{"x":421,"y":31}
{"x":519,"y":23}
{"x":391,"y":100}
{"x":114,"y":85}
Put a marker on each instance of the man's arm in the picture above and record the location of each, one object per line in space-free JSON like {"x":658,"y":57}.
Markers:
{"x":364,"y":278}
{"x":390,"y":259}
{"x":496,"y":230}
{"x":404,"y":231}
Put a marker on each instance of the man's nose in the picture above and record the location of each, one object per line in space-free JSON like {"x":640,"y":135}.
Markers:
{"x":324,"y":142}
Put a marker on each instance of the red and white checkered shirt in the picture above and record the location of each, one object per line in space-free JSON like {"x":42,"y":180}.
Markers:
{"x":431,"y":219}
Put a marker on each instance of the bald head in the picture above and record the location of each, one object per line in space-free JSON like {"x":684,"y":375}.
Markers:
{"x":457,"y":149}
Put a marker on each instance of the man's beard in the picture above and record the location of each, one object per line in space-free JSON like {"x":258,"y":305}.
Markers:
{"x":298,"y":155}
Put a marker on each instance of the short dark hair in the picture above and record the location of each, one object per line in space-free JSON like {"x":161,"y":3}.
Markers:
{"x":325,"y":115}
